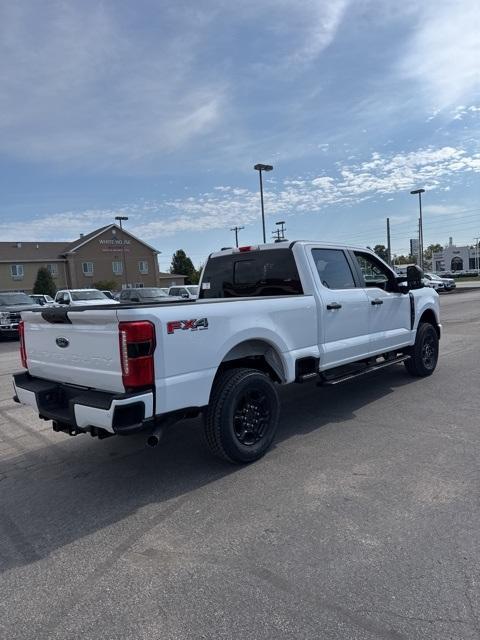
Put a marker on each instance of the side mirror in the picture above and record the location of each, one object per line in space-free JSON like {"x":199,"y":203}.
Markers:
{"x":184,"y":295}
{"x":414,"y":277}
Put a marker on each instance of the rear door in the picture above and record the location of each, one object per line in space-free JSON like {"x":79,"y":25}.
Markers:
{"x":344,"y":314}
{"x":389,"y":311}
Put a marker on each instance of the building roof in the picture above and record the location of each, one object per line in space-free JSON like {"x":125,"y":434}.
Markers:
{"x":72,"y":246}
{"x":45,"y":251}
{"x":166,"y":274}
{"x":24,"y":251}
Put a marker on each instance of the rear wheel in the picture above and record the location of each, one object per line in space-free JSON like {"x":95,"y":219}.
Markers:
{"x":424,"y":353}
{"x":242,"y":417}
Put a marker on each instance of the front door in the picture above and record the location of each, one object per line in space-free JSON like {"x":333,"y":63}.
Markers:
{"x":389,"y":321}
{"x":344,"y":309}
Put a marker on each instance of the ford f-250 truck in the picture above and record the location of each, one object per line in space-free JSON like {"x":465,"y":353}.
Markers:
{"x":266,"y":315}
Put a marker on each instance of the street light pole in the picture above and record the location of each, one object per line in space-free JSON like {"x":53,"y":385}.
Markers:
{"x":477,"y":265}
{"x":260,"y":168}
{"x":120,"y":220}
{"x":236,"y":229}
{"x":420,"y":231}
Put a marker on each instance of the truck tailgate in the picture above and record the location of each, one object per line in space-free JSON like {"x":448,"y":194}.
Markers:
{"x":83,"y":350}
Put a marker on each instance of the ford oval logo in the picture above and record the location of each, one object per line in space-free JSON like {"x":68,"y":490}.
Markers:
{"x":62,"y":342}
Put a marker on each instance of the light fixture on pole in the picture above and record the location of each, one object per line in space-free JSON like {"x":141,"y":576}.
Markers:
{"x":260,"y":168}
{"x":420,"y":226}
{"x":120,"y":220}
{"x":236,"y":229}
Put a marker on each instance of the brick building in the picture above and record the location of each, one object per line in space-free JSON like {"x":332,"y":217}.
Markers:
{"x":99,"y":255}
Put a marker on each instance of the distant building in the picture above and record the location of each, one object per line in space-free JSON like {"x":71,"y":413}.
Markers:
{"x":453,"y":258}
{"x":96,"y":256}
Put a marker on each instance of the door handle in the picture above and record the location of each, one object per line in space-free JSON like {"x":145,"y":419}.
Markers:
{"x":334,"y":305}
{"x":377,"y":301}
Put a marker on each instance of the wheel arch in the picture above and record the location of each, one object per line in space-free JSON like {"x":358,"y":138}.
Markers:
{"x":430,"y":317}
{"x":255,"y":353}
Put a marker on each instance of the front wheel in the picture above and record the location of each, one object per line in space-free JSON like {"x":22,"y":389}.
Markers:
{"x":242,"y":417}
{"x":424,"y":353}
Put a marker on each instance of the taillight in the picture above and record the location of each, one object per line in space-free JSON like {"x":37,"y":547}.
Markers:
{"x":137,"y":344}
{"x":246,"y":248}
{"x":23,"y":351}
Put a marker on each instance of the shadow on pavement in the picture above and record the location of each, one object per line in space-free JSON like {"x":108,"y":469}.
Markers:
{"x":93,"y":484}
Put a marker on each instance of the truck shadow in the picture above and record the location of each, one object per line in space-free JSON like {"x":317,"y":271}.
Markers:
{"x":71,"y":489}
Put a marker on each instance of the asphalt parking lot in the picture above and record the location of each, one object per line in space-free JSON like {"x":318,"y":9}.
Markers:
{"x":362,"y":522}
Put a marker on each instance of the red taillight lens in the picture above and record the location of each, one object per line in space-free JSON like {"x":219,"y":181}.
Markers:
{"x":247,"y":248}
{"x":23,"y":351}
{"x":137,"y":344}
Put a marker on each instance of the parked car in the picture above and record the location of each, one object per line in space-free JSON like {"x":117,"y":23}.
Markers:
{"x":189,"y":292}
{"x":82,"y":297}
{"x":42,"y":299}
{"x":146,"y":295}
{"x":11,"y":306}
{"x":433,"y":282}
{"x":267,"y":315}
{"x":448,"y":283}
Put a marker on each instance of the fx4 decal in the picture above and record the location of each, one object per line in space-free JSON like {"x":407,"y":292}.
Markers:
{"x":187,"y":325}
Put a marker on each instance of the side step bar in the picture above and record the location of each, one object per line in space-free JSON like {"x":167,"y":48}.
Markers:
{"x":368,"y":369}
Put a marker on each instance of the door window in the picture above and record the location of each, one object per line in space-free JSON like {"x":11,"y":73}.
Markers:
{"x":333,"y":268}
{"x":374,"y":272}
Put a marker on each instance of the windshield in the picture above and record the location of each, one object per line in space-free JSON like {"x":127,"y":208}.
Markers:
{"x":152,"y":293}
{"x":88,"y":295}
{"x":193,"y":290}
{"x":432,"y":276}
{"x":14,"y":298}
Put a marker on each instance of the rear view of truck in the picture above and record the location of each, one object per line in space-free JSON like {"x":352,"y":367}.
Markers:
{"x":87,"y":370}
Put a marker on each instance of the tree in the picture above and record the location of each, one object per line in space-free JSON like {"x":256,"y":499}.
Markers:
{"x":182,"y":265}
{"x":106,"y":285}
{"x":381,"y":251}
{"x":405,"y":259}
{"x":44,"y":283}
{"x":431,"y":249}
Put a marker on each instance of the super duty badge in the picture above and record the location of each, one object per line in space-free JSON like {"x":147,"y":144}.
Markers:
{"x":187,"y":325}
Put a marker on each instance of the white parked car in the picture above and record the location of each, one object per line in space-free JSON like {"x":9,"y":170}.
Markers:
{"x":42,"y":299}
{"x":448,"y":283}
{"x":433,"y":281}
{"x":266,"y":316}
{"x":189,"y":291}
{"x":82,"y":297}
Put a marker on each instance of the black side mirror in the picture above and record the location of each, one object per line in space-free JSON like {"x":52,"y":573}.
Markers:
{"x":414,"y":277}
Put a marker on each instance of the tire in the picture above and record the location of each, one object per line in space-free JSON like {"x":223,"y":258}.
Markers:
{"x":242,"y":417}
{"x":424,"y":353}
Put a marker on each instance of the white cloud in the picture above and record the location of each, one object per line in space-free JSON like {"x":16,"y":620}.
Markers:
{"x":225,"y":206}
{"x":443,"y":55}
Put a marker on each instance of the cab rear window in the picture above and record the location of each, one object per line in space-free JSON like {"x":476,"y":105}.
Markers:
{"x":253,"y":274}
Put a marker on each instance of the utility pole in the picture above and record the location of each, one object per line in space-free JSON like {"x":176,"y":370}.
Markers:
{"x":420,"y":223}
{"x":281,"y":231}
{"x":389,"y":245}
{"x":120,"y":219}
{"x":236,"y":229}
{"x":277,"y":235}
{"x":477,"y":265}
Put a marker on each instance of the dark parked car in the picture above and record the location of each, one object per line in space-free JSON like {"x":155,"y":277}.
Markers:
{"x":146,"y":295}
{"x":11,"y":306}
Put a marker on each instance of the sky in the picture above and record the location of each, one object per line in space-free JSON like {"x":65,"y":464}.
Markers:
{"x":159,"y":110}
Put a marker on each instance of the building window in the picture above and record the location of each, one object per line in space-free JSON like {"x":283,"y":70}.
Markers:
{"x":117,"y":267}
{"x":143,"y":266}
{"x":138,"y":285}
{"x":456,"y":264}
{"x":52,"y":270}
{"x":87,"y":268}
{"x":16,"y":271}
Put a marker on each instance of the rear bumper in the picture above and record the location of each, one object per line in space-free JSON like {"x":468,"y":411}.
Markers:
{"x":81,"y":409}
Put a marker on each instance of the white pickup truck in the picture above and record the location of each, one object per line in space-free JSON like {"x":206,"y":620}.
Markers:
{"x":266,"y":315}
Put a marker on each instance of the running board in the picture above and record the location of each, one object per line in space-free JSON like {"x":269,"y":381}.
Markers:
{"x":367,"y":369}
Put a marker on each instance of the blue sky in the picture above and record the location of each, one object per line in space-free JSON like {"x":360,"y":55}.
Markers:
{"x":159,"y":110}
